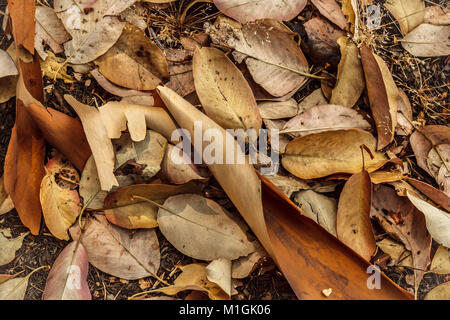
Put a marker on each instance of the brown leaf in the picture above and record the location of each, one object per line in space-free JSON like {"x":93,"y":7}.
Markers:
{"x":408,"y":13}
{"x":321,"y":154}
{"x":321,"y":44}
{"x":353,"y":215}
{"x":325,"y":118}
{"x":428,"y":40}
{"x":350,"y":76}
{"x":437,"y":15}
{"x":331,"y":10}
{"x":383,"y":95}
{"x":437,"y":196}
{"x":404,"y":113}
{"x":23,"y":23}
{"x":245,"y":11}
{"x":223,"y":91}
{"x":400,"y":218}
{"x":278,"y":71}
{"x":296,"y":239}
{"x":142,"y":64}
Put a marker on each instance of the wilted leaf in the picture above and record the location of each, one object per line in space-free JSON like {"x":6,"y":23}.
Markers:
{"x":115,"y":251}
{"x":325,"y":118}
{"x":177,"y":166}
{"x":193,"y":277}
{"x":350,"y":76}
{"x":94,"y":27}
{"x":316,"y":98}
{"x":49,"y":30}
{"x":288,"y":185}
{"x":383,"y":95}
{"x":278,"y":110}
{"x":408,"y":13}
{"x":23,"y":23}
{"x":67,"y":279}
{"x":318,"y":207}
{"x":223,"y":91}
{"x":8,"y":247}
{"x":399,"y":218}
{"x":437,"y":15}
{"x":60,"y":205}
{"x":331,"y":10}
{"x":399,"y":255}
{"x":437,"y":196}
{"x":325,"y":153}
{"x":14,"y":289}
{"x":8,"y":77}
{"x":242,"y":267}
{"x":353,"y":224}
{"x":437,"y":221}
{"x":142,"y":63}
{"x":441,"y":261}
{"x":277,"y":71}
{"x":219,"y":272}
{"x":245,"y":11}
{"x":428,"y":40}
{"x":441,"y":292}
{"x":202,"y":229}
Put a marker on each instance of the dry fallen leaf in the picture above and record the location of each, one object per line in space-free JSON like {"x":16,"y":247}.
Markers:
{"x":219,"y":272}
{"x":8,"y":77}
{"x":404,"y":115}
{"x":383,"y":95}
{"x":6,"y":204}
{"x":223,"y":91}
{"x":437,"y":221}
{"x":428,"y":40}
{"x":437,"y":15}
{"x":398,"y":253}
{"x":142,"y":63}
{"x":441,"y":261}
{"x":353,"y":224}
{"x":60,"y":204}
{"x":193,"y":277}
{"x":441,"y":292}
{"x":321,"y":154}
{"x":67,"y":279}
{"x":116,"y":252}
{"x":331,"y":10}
{"x":8,"y":247}
{"x":245,"y":11}
{"x":200,"y":228}
{"x":350,"y":77}
{"x":437,"y":196}
{"x":278,"y":71}
{"x":94,"y":27}
{"x":278,"y":109}
{"x":318,"y":207}
{"x":242,"y":267}
{"x":408,"y":13}
{"x":400,"y":219}
{"x":14,"y":289}
{"x":325,"y":118}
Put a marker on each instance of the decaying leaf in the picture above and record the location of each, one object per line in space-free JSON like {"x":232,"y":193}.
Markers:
{"x":245,"y":11}
{"x":23,"y":23}
{"x":193,"y":277}
{"x":400,"y":219}
{"x":331,"y":10}
{"x":219,"y":272}
{"x":6,"y":204}
{"x":8,"y":247}
{"x":437,"y":221}
{"x":409,"y":13}
{"x":428,"y":40}
{"x":316,"y":98}
{"x":325,"y":118}
{"x":404,"y":113}
{"x":177,"y":167}
{"x":441,"y":292}
{"x":437,"y":15}
{"x":60,"y":204}
{"x":117,"y":252}
{"x":437,"y":196}
{"x":200,"y":228}
{"x":353,"y":224}
{"x":278,"y":110}
{"x":8,"y":77}
{"x":383,"y":95}
{"x":350,"y":75}
{"x":318,"y":207}
{"x":142,"y":63}
{"x":399,"y":255}
{"x":67,"y":279}
{"x":94,"y":27}
{"x":14,"y":289}
{"x":278,"y":71}
{"x":441,"y":261}
{"x":242,"y":267}
{"x":49,"y":30}
{"x":223,"y":91}
{"x":289,"y":185}
{"x":321,"y":154}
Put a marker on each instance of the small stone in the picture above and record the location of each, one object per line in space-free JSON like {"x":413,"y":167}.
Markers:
{"x":327,"y":292}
